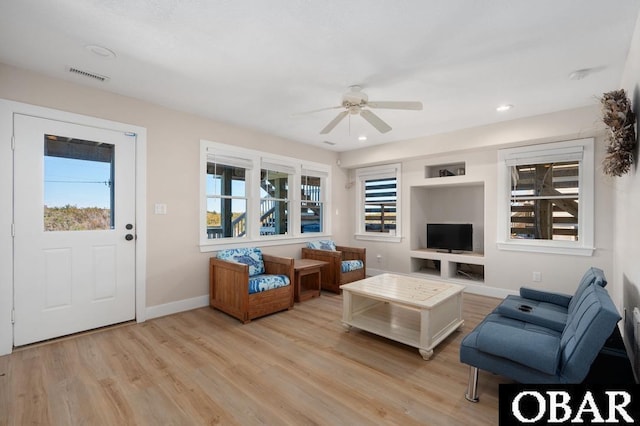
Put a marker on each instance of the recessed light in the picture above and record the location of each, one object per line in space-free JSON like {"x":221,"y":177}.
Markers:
{"x":362,"y":138}
{"x":503,"y":108}
{"x":103,"y":52}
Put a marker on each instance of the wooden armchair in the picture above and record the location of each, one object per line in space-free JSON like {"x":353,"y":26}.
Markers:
{"x":229,"y":288}
{"x":333,"y":275}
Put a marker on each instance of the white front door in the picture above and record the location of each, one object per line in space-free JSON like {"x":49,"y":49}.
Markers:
{"x":74,"y":218}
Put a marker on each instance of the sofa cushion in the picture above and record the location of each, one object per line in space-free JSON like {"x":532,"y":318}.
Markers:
{"x":545,"y":314}
{"x":263,"y":282}
{"x":322,"y":245}
{"x":249,"y":256}
{"x":470,"y":354}
{"x":351,"y":265}
{"x":592,"y":276}
{"x":537,"y":350}
{"x":588,"y":328}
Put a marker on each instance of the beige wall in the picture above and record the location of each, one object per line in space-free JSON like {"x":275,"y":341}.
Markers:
{"x":626,"y":279}
{"x":557,"y":126}
{"x":176,"y":270}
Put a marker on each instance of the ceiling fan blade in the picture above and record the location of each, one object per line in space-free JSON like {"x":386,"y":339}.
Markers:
{"x":396,"y":105}
{"x":316,"y":110}
{"x":329,"y":127}
{"x":375,"y":121}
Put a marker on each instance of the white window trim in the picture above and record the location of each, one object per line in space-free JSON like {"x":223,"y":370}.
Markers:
{"x":257,"y":161}
{"x":372,"y":173}
{"x":543,"y":153}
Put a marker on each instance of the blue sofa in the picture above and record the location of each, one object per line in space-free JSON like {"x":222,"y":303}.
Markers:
{"x":527,"y":346}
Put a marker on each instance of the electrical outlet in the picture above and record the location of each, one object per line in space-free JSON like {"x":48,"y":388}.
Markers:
{"x":537,"y":277}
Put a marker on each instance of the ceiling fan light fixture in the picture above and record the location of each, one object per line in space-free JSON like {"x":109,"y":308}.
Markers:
{"x":503,"y":108}
{"x":356,"y":102}
{"x":580,"y":74}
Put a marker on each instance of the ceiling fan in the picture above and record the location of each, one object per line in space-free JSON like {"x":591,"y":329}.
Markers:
{"x":355,"y":101}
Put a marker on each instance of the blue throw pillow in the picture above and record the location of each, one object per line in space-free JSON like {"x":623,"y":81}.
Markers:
{"x":322,"y":245}
{"x":248,"y":256}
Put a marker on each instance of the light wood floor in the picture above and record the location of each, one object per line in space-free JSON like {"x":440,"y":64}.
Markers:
{"x":298,"y":367}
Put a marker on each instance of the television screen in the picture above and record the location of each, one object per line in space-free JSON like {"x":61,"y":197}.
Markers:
{"x":450,"y":236}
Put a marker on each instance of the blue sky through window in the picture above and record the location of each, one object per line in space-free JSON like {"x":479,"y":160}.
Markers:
{"x":79,"y":183}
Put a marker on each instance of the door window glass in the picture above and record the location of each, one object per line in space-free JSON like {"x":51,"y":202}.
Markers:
{"x":78,"y":184}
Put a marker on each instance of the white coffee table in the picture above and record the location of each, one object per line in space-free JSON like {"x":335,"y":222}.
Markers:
{"x":409,"y":310}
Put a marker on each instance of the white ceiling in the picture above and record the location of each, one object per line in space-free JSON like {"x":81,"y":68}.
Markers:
{"x":254,"y":62}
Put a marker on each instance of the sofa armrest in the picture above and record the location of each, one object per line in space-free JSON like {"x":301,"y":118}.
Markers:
{"x":330,"y":256}
{"x":537,"y":350}
{"x":352,"y":253}
{"x":227,"y":280}
{"x":236,"y":267}
{"x":559,"y":299}
{"x":278,"y":265}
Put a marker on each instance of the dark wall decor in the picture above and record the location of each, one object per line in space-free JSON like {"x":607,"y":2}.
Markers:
{"x":618,"y":116}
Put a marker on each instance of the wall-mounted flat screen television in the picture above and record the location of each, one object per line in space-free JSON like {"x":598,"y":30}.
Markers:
{"x":450,"y":237}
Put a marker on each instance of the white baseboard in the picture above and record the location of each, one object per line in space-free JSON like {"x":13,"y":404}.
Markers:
{"x":202,"y":301}
{"x":483,"y":290}
{"x":371,"y":272}
{"x":179,"y":306}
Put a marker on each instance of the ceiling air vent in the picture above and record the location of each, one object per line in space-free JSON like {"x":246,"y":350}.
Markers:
{"x":93,"y":75}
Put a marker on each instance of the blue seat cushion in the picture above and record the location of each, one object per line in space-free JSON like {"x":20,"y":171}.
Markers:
{"x":472,"y":355}
{"x":322,"y":245}
{"x":534,"y":349}
{"x":251,"y":256}
{"x":351,"y":265}
{"x":265,"y":282}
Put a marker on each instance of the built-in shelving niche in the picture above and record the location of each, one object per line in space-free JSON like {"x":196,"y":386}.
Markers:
{"x":455,"y":199}
{"x":445,"y":170}
{"x":448,"y":266}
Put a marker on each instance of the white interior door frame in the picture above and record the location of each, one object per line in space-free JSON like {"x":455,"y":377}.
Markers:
{"x":7,"y":111}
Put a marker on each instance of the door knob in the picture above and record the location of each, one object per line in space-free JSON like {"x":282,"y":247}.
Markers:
{"x":128,"y":237}
{"x":129,"y":226}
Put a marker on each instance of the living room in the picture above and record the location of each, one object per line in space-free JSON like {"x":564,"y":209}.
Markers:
{"x":175,"y":270}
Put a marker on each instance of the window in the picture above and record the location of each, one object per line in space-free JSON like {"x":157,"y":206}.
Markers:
{"x":546,"y":198}
{"x":378,"y":203}
{"x":78,"y":184}
{"x":250,"y":197}
{"x":226,"y":194}
{"x":275,"y":180}
{"x":312,"y":201}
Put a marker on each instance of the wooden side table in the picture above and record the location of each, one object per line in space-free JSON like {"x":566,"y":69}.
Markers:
{"x":307,"y":278}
